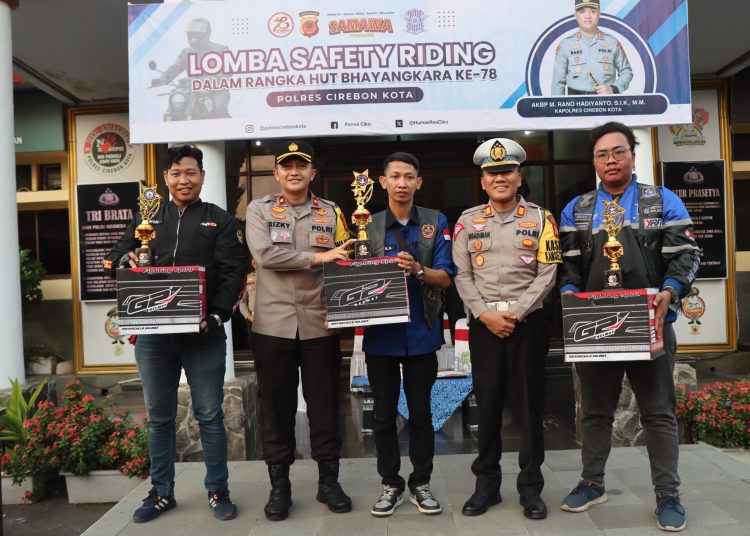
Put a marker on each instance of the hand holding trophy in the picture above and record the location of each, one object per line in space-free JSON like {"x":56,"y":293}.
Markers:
{"x":148,"y":204}
{"x":362,"y":190}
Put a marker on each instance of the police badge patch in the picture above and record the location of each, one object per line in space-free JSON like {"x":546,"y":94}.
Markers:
{"x":428,"y":231}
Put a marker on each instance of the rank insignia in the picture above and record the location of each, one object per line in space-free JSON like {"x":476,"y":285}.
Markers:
{"x":428,"y":231}
{"x":487,"y":212}
{"x":315,"y":201}
{"x":480,"y":260}
{"x":281,"y":199}
{"x":521,"y":211}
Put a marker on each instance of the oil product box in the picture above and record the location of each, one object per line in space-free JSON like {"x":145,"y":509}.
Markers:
{"x":365,"y":292}
{"x":615,"y":325}
{"x":163,"y":299}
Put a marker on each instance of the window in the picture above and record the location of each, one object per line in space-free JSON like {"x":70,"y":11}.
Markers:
{"x":45,"y":233}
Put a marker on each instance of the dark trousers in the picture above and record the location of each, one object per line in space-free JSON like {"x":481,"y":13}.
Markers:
{"x":653,"y":386}
{"x":520,"y":361}
{"x":420,"y":373}
{"x":277,"y":362}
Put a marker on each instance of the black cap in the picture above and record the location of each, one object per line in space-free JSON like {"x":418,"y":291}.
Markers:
{"x":580,"y":4}
{"x":297,"y":148}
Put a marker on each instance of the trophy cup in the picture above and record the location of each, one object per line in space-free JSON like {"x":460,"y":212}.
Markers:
{"x":362,"y":190}
{"x":148,"y":204}
{"x":613,"y":218}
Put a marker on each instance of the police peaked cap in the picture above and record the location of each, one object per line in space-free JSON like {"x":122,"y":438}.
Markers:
{"x":499,"y":154}
{"x":299,"y":149}
{"x":580,"y":4}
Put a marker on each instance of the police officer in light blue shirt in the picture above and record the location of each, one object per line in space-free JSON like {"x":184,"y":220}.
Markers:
{"x":590,"y":61}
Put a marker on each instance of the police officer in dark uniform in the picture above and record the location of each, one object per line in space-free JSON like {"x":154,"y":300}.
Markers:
{"x":506,"y":252}
{"x":189,"y":232}
{"x":294,"y":233}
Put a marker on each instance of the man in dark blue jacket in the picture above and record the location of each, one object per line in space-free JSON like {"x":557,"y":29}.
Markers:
{"x":659,"y":251}
{"x":420,"y":238}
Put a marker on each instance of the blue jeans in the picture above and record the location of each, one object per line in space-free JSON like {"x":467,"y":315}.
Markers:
{"x":159,"y":359}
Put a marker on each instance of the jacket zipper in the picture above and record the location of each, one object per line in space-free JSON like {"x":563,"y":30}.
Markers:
{"x":177,"y":241}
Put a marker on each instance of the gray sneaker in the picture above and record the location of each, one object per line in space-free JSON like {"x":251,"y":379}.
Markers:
{"x":390,"y":499}
{"x":422,"y":498}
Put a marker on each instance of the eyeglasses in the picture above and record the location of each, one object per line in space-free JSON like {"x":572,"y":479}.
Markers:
{"x":618,"y":154}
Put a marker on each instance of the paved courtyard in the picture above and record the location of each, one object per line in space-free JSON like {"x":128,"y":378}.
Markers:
{"x":715,"y":492}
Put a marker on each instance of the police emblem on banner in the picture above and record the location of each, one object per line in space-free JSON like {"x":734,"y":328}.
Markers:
{"x":107,"y":149}
{"x":309,"y":23}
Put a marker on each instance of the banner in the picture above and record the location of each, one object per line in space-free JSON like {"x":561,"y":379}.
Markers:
{"x":234,"y":70}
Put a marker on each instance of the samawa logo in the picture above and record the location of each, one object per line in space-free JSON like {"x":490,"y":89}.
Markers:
{"x":360,"y":25}
{"x":107,"y":149}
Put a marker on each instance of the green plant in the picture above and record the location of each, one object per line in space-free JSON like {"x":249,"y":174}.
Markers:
{"x":718,"y":414}
{"x":18,"y":409}
{"x":32,"y":273}
{"x":34,"y":352}
{"x":78,"y":437}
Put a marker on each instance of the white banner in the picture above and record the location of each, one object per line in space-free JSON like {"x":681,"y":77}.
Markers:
{"x":232,"y":70}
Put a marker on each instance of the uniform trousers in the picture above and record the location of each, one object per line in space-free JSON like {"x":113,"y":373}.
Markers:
{"x":520,"y":361}
{"x":653,"y":386}
{"x":420,"y":373}
{"x":277,"y":363}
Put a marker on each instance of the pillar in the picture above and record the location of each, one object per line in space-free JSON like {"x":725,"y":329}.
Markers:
{"x":11,"y":334}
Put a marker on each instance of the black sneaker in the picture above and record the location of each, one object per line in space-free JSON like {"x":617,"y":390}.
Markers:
{"x":222,"y":505}
{"x":424,"y":500}
{"x":153,"y":506}
{"x":390,"y":498}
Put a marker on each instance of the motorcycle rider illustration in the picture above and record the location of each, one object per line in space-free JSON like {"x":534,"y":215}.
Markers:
{"x":185,"y":104}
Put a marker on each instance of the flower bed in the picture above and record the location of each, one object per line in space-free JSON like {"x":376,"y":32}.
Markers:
{"x":718,"y":414}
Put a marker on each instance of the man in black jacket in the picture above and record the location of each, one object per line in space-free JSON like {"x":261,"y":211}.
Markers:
{"x":189,"y":232}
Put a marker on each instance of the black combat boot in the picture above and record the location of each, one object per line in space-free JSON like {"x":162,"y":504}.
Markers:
{"x":329,"y":489}
{"x":280,"y":498}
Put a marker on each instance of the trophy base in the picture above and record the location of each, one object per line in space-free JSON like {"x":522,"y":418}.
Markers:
{"x":362,"y":250}
{"x":613,"y":280}
{"x":144,"y":257}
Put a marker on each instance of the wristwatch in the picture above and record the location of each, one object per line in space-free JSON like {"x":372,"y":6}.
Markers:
{"x":219,"y":322}
{"x":420,"y":273}
{"x":674,"y":293}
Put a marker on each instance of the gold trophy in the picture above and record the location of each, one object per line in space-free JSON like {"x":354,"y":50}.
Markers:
{"x":148,"y":204}
{"x":362,"y":190}
{"x":613,"y":219}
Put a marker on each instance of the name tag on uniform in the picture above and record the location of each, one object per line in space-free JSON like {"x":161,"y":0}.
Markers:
{"x":388,"y":249}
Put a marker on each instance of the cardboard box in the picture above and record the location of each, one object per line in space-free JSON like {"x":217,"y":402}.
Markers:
{"x":610,"y":326}
{"x":168,"y":299}
{"x":365,"y":293}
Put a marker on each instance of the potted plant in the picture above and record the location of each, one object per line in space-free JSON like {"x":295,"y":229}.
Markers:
{"x":718,"y":414}
{"x":41,"y":358}
{"x":95,"y":447}
{"x":28,"y":486}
